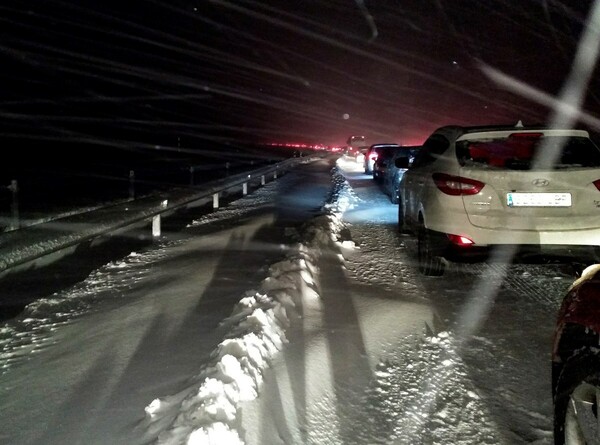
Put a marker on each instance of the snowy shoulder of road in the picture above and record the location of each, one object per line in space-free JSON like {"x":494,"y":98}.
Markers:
{"x":208,"y":411}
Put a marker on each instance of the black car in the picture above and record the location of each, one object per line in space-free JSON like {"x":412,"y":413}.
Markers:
{"x":393,"y":174}
{"x":374,"y":153}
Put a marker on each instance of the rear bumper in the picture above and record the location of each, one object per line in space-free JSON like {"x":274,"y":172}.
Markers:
{"x":449,"y":216}
{"x":512,"y":252}
{"x":456,"y":222}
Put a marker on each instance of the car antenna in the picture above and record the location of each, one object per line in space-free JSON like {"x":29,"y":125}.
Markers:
{"x":519,"y":124}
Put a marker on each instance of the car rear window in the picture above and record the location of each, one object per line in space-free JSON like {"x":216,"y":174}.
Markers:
{"x":518,"y":152}
{"x":386,"y":152}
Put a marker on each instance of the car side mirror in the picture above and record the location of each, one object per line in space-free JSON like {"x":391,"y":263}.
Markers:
{"x":402,"y":162}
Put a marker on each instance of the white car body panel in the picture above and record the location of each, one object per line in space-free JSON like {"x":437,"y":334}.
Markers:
{"x":487,"y":219}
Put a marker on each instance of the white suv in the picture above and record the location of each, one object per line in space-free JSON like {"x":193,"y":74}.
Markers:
{"x":472,"y":188}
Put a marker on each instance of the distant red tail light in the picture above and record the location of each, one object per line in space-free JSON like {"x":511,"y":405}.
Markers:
{"x":460,"y":240}
{"x":457,"y":185}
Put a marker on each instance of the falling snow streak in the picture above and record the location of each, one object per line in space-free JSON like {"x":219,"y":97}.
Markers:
{"x":147,"y":72}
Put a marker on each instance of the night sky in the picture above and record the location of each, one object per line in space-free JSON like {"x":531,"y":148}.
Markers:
{"x":134,"y":73}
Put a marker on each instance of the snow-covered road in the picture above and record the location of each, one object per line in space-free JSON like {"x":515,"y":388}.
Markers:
{"x":409,"y":359}
{"x":357,"y":347}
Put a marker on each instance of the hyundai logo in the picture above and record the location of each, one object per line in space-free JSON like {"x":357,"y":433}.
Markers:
{"x":540,"y":182}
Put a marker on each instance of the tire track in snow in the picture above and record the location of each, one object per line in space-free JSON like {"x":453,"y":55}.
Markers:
{"x":423,"y":394}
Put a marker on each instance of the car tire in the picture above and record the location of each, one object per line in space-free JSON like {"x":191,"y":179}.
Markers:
{"x":429,"y":264}
{"x":578,"y":382}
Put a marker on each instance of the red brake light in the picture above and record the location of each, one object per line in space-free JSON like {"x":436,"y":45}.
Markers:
{"x":457,"y":185}
{"x":528,"y":135}
{"x":597,"y":183}
{"x":460,"y":240}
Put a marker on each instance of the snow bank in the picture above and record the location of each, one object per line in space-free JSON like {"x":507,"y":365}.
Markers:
{"x":207,"y":414}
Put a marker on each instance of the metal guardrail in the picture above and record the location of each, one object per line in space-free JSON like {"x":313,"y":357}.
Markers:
{"x":42,"y":244}
{"x":221,"y":185}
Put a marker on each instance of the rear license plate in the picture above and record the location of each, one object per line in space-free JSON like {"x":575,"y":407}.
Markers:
{"x":538,"y":199}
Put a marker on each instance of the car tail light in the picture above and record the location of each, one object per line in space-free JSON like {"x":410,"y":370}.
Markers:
{"x":460,"y":240}
{"x":597,"y":183}
{"x":457,"y":185}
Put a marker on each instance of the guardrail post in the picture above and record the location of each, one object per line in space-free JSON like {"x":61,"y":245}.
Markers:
{"x":227,"y":165}
{"x":156,"y":226}
{"x":191,"y":175}
{"x":245,"y":188}
{"x":14,"y":205}
{"x":131,"y":184}
{"x":275,"y":174}
{"x":262,"y":180}
{"x":156,"y":220}
{"x":216,"y":200}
